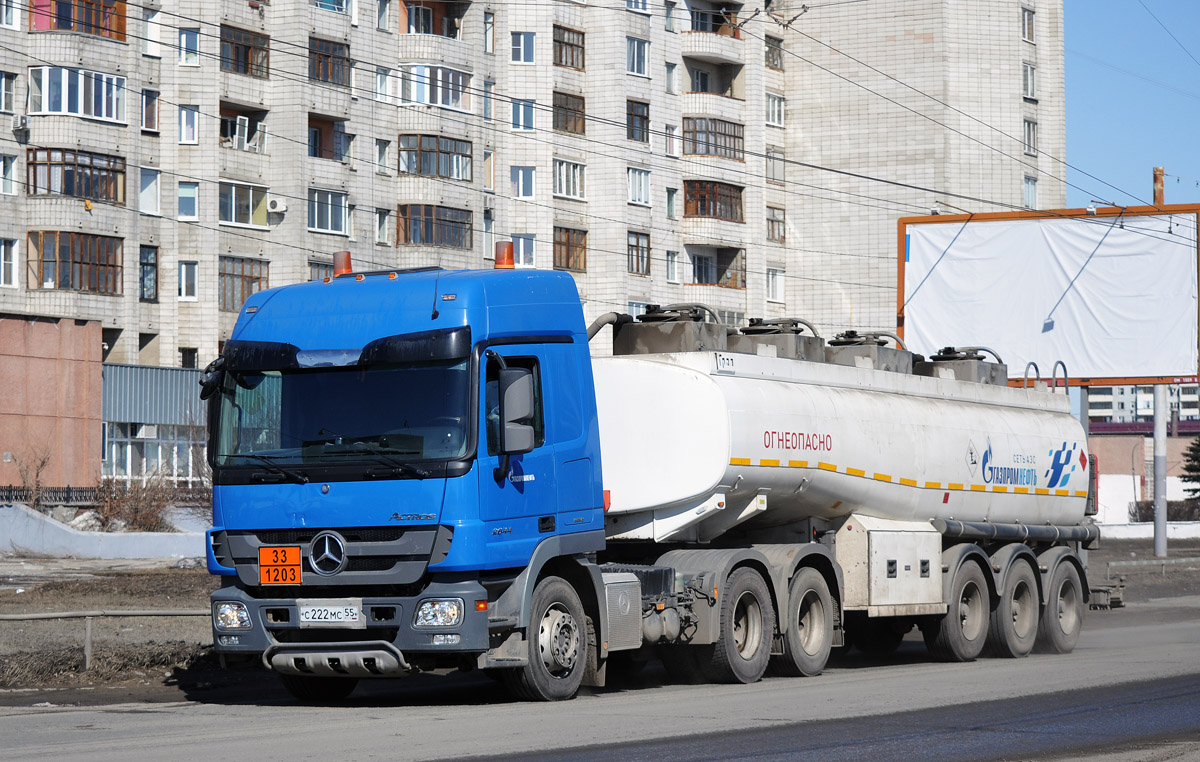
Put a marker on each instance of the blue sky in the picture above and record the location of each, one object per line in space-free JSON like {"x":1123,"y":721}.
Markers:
{"x":1133,"y":99}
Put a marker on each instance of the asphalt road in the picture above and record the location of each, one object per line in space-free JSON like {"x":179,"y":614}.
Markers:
{"x":1130,"y":691}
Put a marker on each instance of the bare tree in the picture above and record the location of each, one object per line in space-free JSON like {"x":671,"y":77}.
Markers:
{"x":30,"y":467}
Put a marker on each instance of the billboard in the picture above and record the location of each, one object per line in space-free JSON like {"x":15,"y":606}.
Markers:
{"x":1112,"y":292}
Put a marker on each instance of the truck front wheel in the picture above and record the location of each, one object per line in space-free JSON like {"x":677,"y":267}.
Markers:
{"x":743,"y":649}
{"x":807,"y":625}
{"x":961,"y":634}
{"x":556,"y":643}
{"x":1062,"y":617}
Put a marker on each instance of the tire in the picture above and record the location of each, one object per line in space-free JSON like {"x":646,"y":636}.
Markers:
{"x":743,"y":648}
{"x":807,"y":626}
{"x":556,"y":643}
{"x":961,"y":634}
{"x":1062,"y":616}
{"x":313,"y":690}
{"x":1014,"y":622}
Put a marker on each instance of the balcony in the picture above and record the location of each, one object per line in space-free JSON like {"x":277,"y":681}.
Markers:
{"x":90,"y":17}
{"x":242,"y":129}
{"x":713,"y":34}
{"x":720,"y":266}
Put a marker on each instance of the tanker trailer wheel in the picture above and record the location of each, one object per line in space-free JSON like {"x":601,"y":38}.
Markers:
{"x":743,"y":647}
{"x":961,"y":634}
{"x":556,"y":643}
{"x":807,"y":625}
{"x":1014,"y":625}
{"x":1062,"y":616}
{"x":313,"y":690}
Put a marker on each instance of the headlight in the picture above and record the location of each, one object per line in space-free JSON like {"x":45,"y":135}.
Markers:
{"x":231,"y":615}
{"x":445,"y":612}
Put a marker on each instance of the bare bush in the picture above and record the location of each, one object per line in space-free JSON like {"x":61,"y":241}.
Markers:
{"x":30,"y":468}
{"x":140,"y":506}
{"x":1177,"y":510}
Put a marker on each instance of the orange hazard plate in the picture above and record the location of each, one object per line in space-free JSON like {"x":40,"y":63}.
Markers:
{"x":279,"y":566}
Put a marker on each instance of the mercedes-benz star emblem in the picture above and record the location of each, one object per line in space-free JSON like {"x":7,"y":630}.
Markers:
{"x":328,"y":554}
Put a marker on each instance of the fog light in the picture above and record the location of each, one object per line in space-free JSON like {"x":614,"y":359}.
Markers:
{"x":229,"y":640}
{"x":446,"y":640}
{"x":446,"y":612}
{"x":231,"y":615}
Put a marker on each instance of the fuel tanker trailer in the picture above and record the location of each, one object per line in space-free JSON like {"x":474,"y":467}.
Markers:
{"x":416,"y":470}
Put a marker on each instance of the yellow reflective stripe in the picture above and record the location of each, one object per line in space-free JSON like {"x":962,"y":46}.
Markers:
{"x":908,"y":482}
{"x":1062,"y":492}
{"x":797,"y":464}
{"x":1021,"y":490}
{"x":1040,"y":491}
{"x":954,"y":486}
{"x":1080,"y":494}
{"x":999,"y":489}
{"x":933,"y":485}
{"x":855,"y":471}
{"x":765,"y":462}
{"x":978,"y":488}
{"x":883,"y":477}
{"x":739,"y":461}
{"x":826,"y":466}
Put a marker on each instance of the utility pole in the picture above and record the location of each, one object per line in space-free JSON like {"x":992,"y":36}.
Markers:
{"x":1160,"y":431}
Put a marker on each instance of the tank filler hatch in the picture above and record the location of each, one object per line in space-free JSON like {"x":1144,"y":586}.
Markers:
{"x":783,"y":337}
{"x":964,"y":364}
{"x":869,"y":350}
{"x":673,"y":328}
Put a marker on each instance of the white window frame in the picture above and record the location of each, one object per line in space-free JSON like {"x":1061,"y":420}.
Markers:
{"x":704,"y":269}
{"x":45,"y":80}
{"x":195,"y":186}
{"x":489,"y":234}
{"x":776,"y":110}
{"x":337,"y":203}
{"x":1027,"y":29}
{"x":671,"y":139}
{"x":637,"y":54}
{"x":1030,"y":138}
{"x":776,"y":165}
{"x":669,"y":16}
{"x":489,"y":32}
{"x":522,"y":115}
{"x":489,"y":91}
{"x":8,"y":91}
{"x":1030,"y":192}
{"x":489,"y":171}
{"x":672,"y":267}
{"x":524,"y":250}
{"x":570,"y":179}
{"x":148,"y":191}
{"x":672,"y":77}
{"x":639,"y":186}
{"x":1029,"y":80}
{"x":8,"y":175}
{"x":8,"y":262}
{"x":151,"y":33}
{"x":10,"y":17}
{"x":523,"y":47}
{"x":189,"y":121}
{"x":522,"y":181}
{"x":187,"y":294}
{"x":420,"y":19}
{"x":775,"y":290}
{"x":236,"y":188}
{"x":383,"y":85}
{"x":440,"y":86}
{"x":383,"y":226}
{"x":672,"y":203}
{"x":383,"y":156}
{"x":383,"y":15}
{"x":189,"y":47}
{"x":638,"y":6}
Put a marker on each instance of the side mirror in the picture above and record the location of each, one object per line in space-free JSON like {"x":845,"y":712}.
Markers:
{"x":210,"y":379}
{"x":516,"y":410}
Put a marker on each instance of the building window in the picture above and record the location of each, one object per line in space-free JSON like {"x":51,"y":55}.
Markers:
{"x":774,"y":53}
{"x":75,"y":262}
{"x":522,"y":47}
{"x":8,"y":262}
{"x":56,"y":90}
{"x":489,"y":234}
{"x":382,"y":155}
{"x":60,"y":172}
{"x":776,"y":224}
{"x":151,"y":33}
{"x":570,"y":249}
{"x":435,"y":86}
{"x":569,"y":179}
{"x":637,"y":5}
{"x":1027,"y":24}
{"x":703,"y":198}
{"x":102,"y":18}
{"x":489,"y":170}
{"x":383,"y":15}
{"x":8,"y":13}
{"x":188,"y":357}
{"x":672,"y":203}
{"x":383,"y":85}
{"x":1031,"y":143}
{"x":774,"y":284}
{"x":523,"y":249}
{"x":637,"y":121}
{"x":433,"y":226}
{"x":189,"y":117}
{"x":187,"y":281}
{"x":189,"y":47}
{"x":669,"y":16}
{"x":1029,"y":80}
{"x":637,"y":249}
{"x":569,"y":113}
{"x":713,"y":137}
{"x":383,"y":225}
{"x":701,"y":81}
{"x":148,"y":193}
{"x":671,"y":140}
{"x":636,"y":53}
{"x":189,"y":200}
{"x":521,"y":182}
{"x":775,"y":105}
{"x":776,"y":166}
{"x":672,"y":78}
{"x":148,"y":276}
{"x":8,"y":88}
{"x":8,"y":171}
{"x":245,"y":52}
{"x":150,"y":110}
{"x":319,"y":271}
{"x":1031,"y":201}
{"x":522,"y":115}
{"x":672,"y":267}
{"x":239,"y":279}
{"x":326,"y":211}
{"x":489,"y":89}
{"x":420,"y":19}
{"x":639,"y":186}
{"x":336,"y":6}
{"x":489,"y":32}
{"x":568,"y":48}
{"x":242,"y":205}
{"x":704,"y":269}
{"x":329,"y":62}
{"x":435,"y":156}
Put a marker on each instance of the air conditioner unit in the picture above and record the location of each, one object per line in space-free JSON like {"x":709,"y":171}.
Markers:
{"x":20,"y":122}
{"x":276,"y":205}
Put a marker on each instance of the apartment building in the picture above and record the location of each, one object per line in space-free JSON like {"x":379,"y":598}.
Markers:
{"x":1134,"y":404}
{"x":166,"y":160}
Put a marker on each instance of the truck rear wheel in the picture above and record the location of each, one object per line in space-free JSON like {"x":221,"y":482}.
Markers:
{"x":807,"y":625}
{"x":311,"y":689}
{"x":1014,"y":623}
{"x":556,"y":643}
{"x":961,"y":634}
{"x":743,"y":648}
{"x":1062,"y":616}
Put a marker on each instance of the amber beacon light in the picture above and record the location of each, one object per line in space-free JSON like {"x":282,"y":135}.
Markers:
{"x":504,"y":255}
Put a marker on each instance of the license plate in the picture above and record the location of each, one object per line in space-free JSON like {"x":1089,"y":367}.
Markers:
{"x":331,"y":612}
{"x":279,"y":565}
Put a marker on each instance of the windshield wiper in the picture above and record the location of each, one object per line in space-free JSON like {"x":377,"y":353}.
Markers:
{"x":381,"y":454}
{"x":295,"y":476}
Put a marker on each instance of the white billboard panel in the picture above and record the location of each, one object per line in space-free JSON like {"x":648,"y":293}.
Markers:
{"x":1113,"y":295}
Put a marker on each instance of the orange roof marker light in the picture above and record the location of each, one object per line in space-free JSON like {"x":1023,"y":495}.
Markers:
{"x":341,"y":263}
{"x":504,"y":255}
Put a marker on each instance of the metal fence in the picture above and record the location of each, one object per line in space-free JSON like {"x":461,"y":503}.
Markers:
{"x":49,"y":495}
{"x":88,"y":616}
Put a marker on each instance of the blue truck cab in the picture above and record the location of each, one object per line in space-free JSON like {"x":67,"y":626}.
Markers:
{"x":405,"y":465}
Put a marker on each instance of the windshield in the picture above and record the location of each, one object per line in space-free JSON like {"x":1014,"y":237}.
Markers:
{"x":331,"y":416}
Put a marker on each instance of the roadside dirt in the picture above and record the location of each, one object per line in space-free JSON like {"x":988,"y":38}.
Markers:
{"x":156,"y":659}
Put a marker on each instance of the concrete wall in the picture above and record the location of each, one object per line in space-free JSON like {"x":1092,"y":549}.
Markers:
{"x":25,"y":531}
{"x":50,"y":398}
